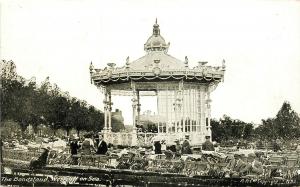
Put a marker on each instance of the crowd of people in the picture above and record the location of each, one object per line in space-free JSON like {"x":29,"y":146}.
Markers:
{"x":235,"y":166}
{"x":88,"y":146}
{"x":180,"y":153}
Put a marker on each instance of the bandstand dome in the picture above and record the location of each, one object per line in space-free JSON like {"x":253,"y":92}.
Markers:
{"x":183,"y":93}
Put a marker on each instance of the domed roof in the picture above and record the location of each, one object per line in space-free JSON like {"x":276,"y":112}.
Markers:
{"x":156,"y":42}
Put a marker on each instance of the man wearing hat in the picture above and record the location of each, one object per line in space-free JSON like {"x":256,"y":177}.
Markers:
{"x":74,"y":146}
{"x":157,"y":147}
{"x":236,"y":166}
{"x":177,"y":147}
{"x":253,"y":166}
{"x":208,"y":145}
{"x":186,"y":148}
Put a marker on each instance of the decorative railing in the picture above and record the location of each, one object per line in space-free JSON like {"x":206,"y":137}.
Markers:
{"x":120,"y":138}
{"x":145,"y":139}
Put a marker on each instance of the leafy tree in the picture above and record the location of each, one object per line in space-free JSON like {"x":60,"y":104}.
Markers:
{"x":230,"y":129}
{"x":285,"y":125}
{"x":287,"y":122}
{"x":25,"y":103}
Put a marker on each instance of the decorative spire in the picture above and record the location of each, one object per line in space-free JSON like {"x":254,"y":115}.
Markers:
{"x":156,"y":30}
{"x":156,"y":42}
{"x":91,"y":67}
{"x":127,"y":60}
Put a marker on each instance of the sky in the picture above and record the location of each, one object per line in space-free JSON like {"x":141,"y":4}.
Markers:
{"x":259,"y":40}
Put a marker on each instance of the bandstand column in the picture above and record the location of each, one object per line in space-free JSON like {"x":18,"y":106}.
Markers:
{"x":138,"y":108}
{"x":208,"y":113}
{"x":134,"y":106}
{"x":109,"y":111}
{"x":134,"y":109}
{"x":105,"y":111}
{"x":180,"y":106}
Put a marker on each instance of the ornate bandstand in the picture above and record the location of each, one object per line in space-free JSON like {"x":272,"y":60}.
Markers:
{"x":183,"y":93}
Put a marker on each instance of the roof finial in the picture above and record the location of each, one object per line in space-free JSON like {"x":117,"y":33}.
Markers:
{"x":223,"y":64}
{"x":127,"y":61}
{"x":156,"y":30}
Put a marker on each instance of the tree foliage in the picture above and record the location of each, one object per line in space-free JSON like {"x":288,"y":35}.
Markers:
{"x":24,"y":102}
{"x":286,"y":125}
{"x":230,"y":129}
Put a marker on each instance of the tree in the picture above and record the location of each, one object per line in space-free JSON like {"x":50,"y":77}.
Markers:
{"x":287,"y":122}
{"x":217,"y":131}
{"x":230,"y":129}
{"x":25,"y":103}
{"x":285,"y":125}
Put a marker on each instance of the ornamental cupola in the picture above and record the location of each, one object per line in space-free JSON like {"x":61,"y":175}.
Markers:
{"x":156,"y":42}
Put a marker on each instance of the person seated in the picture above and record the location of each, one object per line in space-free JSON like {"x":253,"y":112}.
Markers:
{"x":276,"y":146}
{"x":177,"y":148}
{"x":172,"y":148}
{"x":41,"y":161}
{"x":235,"y":166}
{"x":186,"y":148}
{"x":253,"y":166}
{"x":208,"y":145}
{"x":169,"y":154}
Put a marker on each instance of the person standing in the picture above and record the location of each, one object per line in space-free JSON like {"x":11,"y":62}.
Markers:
{"x":102,"y":146}
{"x":87,"y":145}
{"x":74,"y":146}
{"x":157,"y":147}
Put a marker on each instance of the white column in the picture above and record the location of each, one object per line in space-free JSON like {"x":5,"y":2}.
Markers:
{"x":105,"y":111}
{"x":203,"y":111}
{"x":134,"y":108}
{"x":138,"y":108}
{"x":208,"y":114}
{"x":109,"y":111}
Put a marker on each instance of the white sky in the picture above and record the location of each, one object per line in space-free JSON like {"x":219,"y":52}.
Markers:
{"x":260,"y":41}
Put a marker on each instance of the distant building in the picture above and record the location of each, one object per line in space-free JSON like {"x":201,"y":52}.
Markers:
{"x":149,"y":121}
{"x":117,"y":121}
